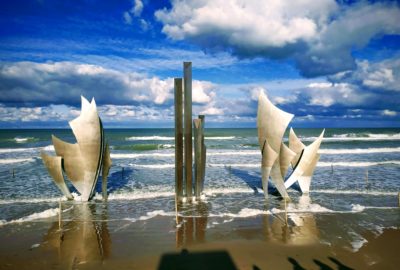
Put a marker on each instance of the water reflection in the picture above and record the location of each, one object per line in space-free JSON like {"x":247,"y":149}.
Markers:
{"x":192,"y":225}
{"x":83,"y":240}
{"x":297,"y":228}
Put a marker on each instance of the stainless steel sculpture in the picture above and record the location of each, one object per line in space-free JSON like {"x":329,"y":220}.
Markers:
{"x":276,"y":156}
{"x":81,"y":161}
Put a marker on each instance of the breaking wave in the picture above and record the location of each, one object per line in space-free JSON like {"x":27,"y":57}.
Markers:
{"x":15,"y":160}
{"x":168,"y":138}
{"x":23,"y":139}
{"x":358,"y":192}
{"x":358,"y":164}
{"x":357,"y":137}
{"x":39,"y":215}
{"x":359,"y":150}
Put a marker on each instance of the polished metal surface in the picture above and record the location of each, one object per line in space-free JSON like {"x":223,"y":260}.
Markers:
{"x":82,"y":161}
{"x":276,"y":156}
{"x":53,"y":165}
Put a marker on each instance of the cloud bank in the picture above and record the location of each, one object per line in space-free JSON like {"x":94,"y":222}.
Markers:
{"x":319,"y":35}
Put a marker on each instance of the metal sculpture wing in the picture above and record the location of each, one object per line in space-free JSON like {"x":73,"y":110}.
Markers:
{"x":276,"y":156}
{"x":81,"y":161}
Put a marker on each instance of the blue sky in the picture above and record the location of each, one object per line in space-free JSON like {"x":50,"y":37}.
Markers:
{"x":331,"y":63}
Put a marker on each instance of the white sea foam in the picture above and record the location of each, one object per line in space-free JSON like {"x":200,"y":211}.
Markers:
{"x":302,"y":208}
{"x":235,"y":153}
{"x":15,"y":160}
{"x":40,"y":215}
{"x":48,"y":148}
{"x":359,"y":151}
{"x":153,"y":166}
{"x":130,"y":155}
{"x":358,"y":192}
{"x":245,"y":212}
{"x":149,"y":138}
{"x":358,"y":164}
{"x":360,"y":208}
{"x":234,"y":165}
{"x":150,"y":215}
{"x":13,"y":150}
{"x":227,"y":190}
{"x":358,"y":242}
{"x":167,"y":138}
{"x":137,"y":195}
{"x":23,"y":139}
{"x":221,"y":138}
{"x":31,"y":149}
{"x":355,"y":137}
{"x":258,"y":153}
{"x":256,"y":165}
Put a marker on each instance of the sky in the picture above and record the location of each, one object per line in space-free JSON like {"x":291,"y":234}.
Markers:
{"x":331,"y":63}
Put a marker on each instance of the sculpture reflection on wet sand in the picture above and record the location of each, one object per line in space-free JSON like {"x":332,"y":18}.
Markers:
{"x":81,"y":161}
{"x":276,"y":156}
{"x":300,"y":229}
{"x":86,"y":240}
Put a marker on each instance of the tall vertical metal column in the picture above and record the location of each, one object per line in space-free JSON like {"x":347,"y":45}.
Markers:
{"x":203,"y":154}
{"x":178,"y":138}
{"x":197,"y":132}
{"x":187,"y":75}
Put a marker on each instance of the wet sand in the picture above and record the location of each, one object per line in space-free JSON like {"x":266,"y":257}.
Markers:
{"x":261,"y":242}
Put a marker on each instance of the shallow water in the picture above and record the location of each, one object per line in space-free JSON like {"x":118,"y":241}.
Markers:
{"x":141,"y":181}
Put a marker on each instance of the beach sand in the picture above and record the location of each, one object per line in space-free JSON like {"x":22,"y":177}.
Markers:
{"x":260,"y":242}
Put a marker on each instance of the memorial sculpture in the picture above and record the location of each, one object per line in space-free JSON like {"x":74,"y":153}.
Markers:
{"x":81,"y":161}
{"x":277,"y":157}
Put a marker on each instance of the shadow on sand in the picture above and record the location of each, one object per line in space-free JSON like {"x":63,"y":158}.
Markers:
{"x":218,"y":259}
{"x":322,"y":266}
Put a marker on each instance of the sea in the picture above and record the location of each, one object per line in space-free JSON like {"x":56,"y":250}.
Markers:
{"x":357,"y":177}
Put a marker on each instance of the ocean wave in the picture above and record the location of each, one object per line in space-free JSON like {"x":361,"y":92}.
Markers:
{"x":358,"y":164}
{"x":15,"y":160}
{"x":257,"y":153}
{"x":153,"y":166}
{"x":358,"y":192}
{"x":23,"y":139}
{"x":227,"y":190}
{"x":149,"y":138}
{"x":143,"y":147}
{"x":150,"y":215}
{"x":302,"y":208}
{"x":359,"y":150}
{"x":127,"y":156}
{"x":243,"y":213}
{"x":361,"y":208}
{"x":31,"y":149}
{"x":167,"y":138}
{"x":138,"y":195}
{"x":357,"y":137}
{"x":39,"y":215}
{"x":221,"y":138}
{"x":256,"y":165}
{"x":13,"y":150}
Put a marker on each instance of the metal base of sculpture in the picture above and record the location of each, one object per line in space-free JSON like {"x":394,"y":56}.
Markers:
{"x":81,"y":161}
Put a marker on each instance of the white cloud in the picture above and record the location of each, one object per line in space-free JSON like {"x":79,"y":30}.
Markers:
{"x":132,"y":16}
{"x":389,"y":113}
{"x":253,"y":24}
{"x":320,"y":35}
{"x":212,"y":111}
{"x":64,"y":82}
{"x":202,"y":91}
{"x":328,"y":94}
{"x":137,"y":8}
{"x":127,"y":17}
